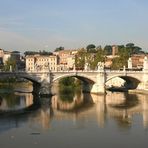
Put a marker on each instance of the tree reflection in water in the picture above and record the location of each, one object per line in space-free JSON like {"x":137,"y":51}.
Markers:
{"x":71,"y":100}
{"x":83,"y":107}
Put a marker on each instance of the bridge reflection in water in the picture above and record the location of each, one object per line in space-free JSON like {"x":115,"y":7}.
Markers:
{"x":82,"y":109}
{"x":120,"y":107}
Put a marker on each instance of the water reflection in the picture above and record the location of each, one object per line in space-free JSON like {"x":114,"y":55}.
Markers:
{"x":16,"y":108}
{"x":119,"y":106}
{"x":78,"y":102}
{"x":79,"y":108}
{"x":15,"y":101}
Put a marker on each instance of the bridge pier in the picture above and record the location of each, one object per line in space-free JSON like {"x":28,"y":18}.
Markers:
{"x":99,"y":86}
{"x":45,"y":89}
{"x":86,"y":87}
{"x":36,"y":88}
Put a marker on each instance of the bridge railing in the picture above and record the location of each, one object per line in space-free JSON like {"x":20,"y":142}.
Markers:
{"x":78,"y":71}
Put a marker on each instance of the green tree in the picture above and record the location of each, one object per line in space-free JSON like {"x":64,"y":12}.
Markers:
{"x":10,"y":63}
{"x":91,"y":48}
{"x":132,"y":49}
{"x":93,"y":59}
{"x":130,"y":45}
{"x":108,"y":49}
{"x":59,"y":48}
{"x":121,"y":60}
{"x":80,"y":59}
{"x":30,"y":53}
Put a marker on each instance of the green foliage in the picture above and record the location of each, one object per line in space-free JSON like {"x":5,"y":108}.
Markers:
{"x":80,"y":59}
{"x":130,"y":45}
{"x":92,"y":59}
{"x":10,"y":63}
{"x":121,"y":60}
{"x":95,"y":58}
{"x":68,"y":81}
{"x":91,"y":48}
{"x":133,"y":49}
{"x":59,"y":48}
{"x":45,"y":52}
{"x":30,"y":53}
{"x":40,"y":52}
{"x":108,"y":49}
{"x":67,"y":88}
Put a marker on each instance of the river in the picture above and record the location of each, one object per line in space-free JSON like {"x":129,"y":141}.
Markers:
{"x":74,"y":120}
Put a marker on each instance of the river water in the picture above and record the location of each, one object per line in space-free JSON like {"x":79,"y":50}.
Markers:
{"x":74,"y":120}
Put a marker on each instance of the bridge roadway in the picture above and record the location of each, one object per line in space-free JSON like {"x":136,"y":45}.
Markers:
{"x":94,"y":81}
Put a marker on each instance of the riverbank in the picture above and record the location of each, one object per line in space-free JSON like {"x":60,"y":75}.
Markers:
{"x":20,"y":87}
{"x":138,"y":91}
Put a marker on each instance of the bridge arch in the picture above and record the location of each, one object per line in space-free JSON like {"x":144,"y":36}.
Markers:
{"x":80,"y":77}
{"x":87,"y":82}
{"x":19,"y":75}
{"x":131,"y":82}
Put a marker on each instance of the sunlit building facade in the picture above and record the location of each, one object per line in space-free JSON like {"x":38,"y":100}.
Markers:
{"x":41,"y":63}
{"x":66,"y":59}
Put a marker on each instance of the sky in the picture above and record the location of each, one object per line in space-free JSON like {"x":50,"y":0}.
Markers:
{"x":48,"y":24}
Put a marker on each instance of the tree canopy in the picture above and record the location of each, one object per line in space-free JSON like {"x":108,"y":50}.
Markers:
{"x":108,"y":49}
{"x":80,"y":59}
{"x":121,"y":60}
{"x":91,"y":48}
{"x":59,"y":48}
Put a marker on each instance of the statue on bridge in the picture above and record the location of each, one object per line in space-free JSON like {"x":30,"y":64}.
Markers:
{"x":86,"y":67}
{"x":145,"y":64}
{"x":100,"y":66}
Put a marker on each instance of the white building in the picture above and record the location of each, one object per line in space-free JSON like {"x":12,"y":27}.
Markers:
{"x":6,"y":56}
{"x":41,"y":63}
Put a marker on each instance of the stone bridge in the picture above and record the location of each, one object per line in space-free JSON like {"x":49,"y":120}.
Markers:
{"x":93,"y":81}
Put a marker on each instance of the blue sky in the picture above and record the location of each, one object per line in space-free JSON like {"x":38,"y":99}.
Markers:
{"x":47,"y":24}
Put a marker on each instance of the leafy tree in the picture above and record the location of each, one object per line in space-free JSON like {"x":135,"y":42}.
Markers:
{"x":93,"y":59}
{"x":121,"y":60}
{"x":10,"y":62}
{"x":98,"y":47}
{"x":45,"y":53}
{"x":137,"y":50}
{"x":30,"y":53}
{"x":108,"y":49}
{"x":120,"y":47}
{"x":35,"y":52}
{"x":68,"y":81}
{"x":132,"y":49}
{"x":91,"y":48}
{"x":130,"y":45}
{"x":80,"y":59}
{"x":59,"y":48}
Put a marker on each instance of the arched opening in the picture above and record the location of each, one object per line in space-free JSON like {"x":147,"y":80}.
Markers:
{"x":70,"y":91}
{"x":122,"y":83}
{"x":86,"y":82}
{"x":27,"y":83}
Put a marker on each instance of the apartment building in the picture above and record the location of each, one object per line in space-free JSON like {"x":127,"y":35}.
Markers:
{"x":66,"y":59}
{"x":41,"y":63}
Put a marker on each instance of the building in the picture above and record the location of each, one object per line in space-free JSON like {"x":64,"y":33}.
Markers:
{"x":114,"y":50}
{"x":41,"y":63}
{"x":6,"y":56}
{"x":66,"y":59}
{"x":137,"y":60}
